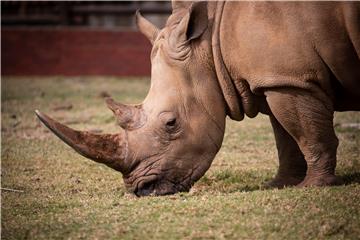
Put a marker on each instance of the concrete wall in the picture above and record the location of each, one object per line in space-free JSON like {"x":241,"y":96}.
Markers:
{"x":73,"y":52}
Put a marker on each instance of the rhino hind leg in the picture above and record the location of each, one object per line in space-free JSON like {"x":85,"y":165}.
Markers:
{"x":292,"y":164}
{"x":308,"y":118}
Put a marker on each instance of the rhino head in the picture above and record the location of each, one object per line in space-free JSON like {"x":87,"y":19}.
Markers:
{"x":169,"y":141}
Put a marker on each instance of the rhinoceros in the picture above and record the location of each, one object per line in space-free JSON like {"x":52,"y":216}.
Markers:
{"x":296,"y":62}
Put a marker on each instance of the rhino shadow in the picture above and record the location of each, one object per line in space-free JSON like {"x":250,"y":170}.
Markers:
{"x":350,"y":178}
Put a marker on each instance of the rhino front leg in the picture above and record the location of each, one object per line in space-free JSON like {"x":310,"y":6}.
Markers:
{"x":292,"y":165}
{"x":308,"y":118}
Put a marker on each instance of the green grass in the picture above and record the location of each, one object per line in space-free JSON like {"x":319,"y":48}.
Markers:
{"x":67,"y":196}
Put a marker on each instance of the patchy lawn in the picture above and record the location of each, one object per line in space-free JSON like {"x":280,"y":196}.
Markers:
{"x":64,"y":195}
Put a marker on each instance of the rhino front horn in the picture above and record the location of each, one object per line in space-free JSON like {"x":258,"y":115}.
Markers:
{"x":109,"y":149}
{"x":128,"y":117}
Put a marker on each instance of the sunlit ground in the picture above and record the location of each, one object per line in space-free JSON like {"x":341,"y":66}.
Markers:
{"x":63,"y":195}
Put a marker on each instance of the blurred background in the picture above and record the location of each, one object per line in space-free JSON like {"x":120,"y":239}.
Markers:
{"x":77,"y":38}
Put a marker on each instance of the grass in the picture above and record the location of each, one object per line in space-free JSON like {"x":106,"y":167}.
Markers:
{"x":67,"y":196}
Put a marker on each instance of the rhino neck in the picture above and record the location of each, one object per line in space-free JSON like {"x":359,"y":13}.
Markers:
{"x":238,"y":97}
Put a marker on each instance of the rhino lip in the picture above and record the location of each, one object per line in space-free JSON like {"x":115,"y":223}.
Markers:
{"x":146,"y":189}
{"x":157,"y":187}
{"x":145,"y":186}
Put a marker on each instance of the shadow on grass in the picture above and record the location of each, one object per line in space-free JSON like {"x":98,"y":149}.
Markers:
{"x":350,"y":178}
{"x":228,"y":181}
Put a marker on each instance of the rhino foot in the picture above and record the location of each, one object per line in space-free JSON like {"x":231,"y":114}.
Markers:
{"x":319,"y":181}
{"x":282,"y":181}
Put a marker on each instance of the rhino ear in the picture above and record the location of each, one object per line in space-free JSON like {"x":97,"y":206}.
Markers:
{"x":193,"y":24}
{"x":179,"y":5}
{"x":147,"y":28}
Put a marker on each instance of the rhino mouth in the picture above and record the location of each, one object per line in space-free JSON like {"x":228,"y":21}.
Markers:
{"x":159,"y":187}
{"x":154,"y":188}
{"x":154,"y":180}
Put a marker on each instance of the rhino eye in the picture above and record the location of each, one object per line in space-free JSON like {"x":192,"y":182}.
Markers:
{"x":171,"y":123}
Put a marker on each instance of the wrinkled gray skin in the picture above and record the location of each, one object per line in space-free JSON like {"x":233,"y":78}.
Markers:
{"x":239,"y":58}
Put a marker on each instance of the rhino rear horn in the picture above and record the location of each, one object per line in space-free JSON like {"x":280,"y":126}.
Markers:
{"x":128,"y":117}
{"x":109,"y":149}
{"x":147,"y":28}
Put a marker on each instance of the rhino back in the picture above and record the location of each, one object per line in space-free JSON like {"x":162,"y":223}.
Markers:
{"x":295,"y":44}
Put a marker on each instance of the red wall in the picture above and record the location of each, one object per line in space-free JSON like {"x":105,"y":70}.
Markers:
{"x":74,"y":52}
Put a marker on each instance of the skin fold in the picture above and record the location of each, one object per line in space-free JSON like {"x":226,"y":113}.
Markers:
{"x":296,"y":62}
